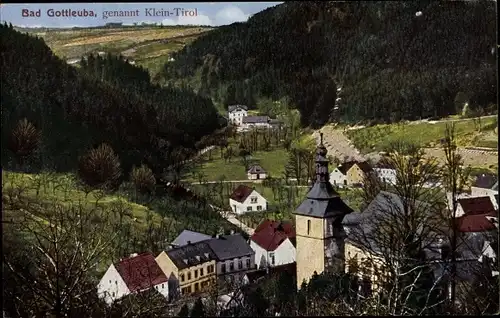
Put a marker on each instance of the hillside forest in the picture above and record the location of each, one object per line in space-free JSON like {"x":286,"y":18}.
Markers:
{"x":107,"y":100}
{"x":350,"y":61}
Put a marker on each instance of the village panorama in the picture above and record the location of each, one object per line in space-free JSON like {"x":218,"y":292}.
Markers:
{"x":252,"y":159}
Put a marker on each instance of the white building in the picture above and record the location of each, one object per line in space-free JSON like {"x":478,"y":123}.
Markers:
{"x":385,"y":172}
{"x":246,"y":199}
{"x":137,"y":273}
{"x":236,"y":113}
{"x":256,"y":172}
{"x":338,"y":177}
{"x":250,"y":122}
{"x":274,"y":244}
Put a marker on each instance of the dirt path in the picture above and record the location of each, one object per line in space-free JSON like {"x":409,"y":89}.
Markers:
{"x":337,"y":143}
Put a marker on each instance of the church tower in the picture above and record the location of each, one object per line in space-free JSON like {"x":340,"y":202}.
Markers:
{"x":318,"y":225}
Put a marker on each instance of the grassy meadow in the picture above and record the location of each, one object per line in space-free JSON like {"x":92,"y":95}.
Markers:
{"x":212,"y":167}
{"x":424,"y":134}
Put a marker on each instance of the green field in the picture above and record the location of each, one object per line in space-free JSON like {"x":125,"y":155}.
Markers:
{"x":379,"y":137}
{"x":217,"y":168}
{"x":149,"y":46}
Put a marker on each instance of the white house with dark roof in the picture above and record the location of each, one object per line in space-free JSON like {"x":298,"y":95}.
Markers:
{"x":245,"y":199}
{"x":137,"y":273}
{"x":256,"y":172}
{"x":234,"y":256}
{"x":236,"y":113}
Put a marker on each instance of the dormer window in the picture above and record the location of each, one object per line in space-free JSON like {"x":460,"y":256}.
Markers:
{"x":253,"y":200}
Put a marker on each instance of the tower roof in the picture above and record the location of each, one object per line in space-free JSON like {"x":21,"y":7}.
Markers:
{"x":322,"y":200}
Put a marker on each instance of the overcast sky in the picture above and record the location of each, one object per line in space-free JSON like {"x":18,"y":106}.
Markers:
{"x":208,"y":13}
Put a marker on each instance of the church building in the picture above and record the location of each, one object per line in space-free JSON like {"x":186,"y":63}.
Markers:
{"x":318,"y":225}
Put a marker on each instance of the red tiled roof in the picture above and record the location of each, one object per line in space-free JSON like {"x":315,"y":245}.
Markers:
{"x":270,"y":234}
{"x":476,"y":222}
{"x":141,"y":272}
{"x":241,"y":193}
{"x":475,"y":206}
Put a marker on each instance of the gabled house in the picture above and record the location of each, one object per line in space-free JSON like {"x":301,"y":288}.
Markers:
{"x":134,"y":274}
{"x":256,"y":172}
{"x":274,"y":244}
{"x":357,"y":173}
{"x":190,"y":268}
{"x":186,"y":237}
{"x":385,"y":172}
{"x":246,"y":199}
{"x":236,"y":113}
{"x":350,"y":173}
{"x":234,"y":256}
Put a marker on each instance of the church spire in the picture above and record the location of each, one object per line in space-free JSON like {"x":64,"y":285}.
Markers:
{"x":322,"y":175}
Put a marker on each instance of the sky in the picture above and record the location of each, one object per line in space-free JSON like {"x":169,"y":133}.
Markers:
{"x":203,"y":13}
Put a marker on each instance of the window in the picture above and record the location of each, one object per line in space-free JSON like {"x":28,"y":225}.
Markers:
{"x":253,"y":200}
{"x":308,"y":227}
{"x":249,"y":208}
{"x":196,"y":287}
{"x":271,"y":256}
{"x":240,"y":264}
{"x":182,"y":277}
{"x":110,"y":281}
{"x":195,"y":273}
{"x":223,"y":268}
{"x":162,"y":286}
{"x":116,"y":282}
{"x":189,"y":275}
{"x":231,"y":266}
{"x":113,"y":294}
{"x":201,"y":271}
{"x":345,"y":182}
{"x":248,"y":263}
{"x":210,"y":269}
{"x":259,"y":207}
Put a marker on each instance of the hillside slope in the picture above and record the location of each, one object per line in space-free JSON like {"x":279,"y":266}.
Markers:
{"x":76,"y":109}
{"x":382,"y":59}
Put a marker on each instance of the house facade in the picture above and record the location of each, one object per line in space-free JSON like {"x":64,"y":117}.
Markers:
{"x":256,"y":172}
{"x":385,"y":172}
{"x":236,"y":113}
{"x":190,"y":268}
{"x":250,"y":122}
{"x":234,"y":257}
{"x":245,"y":199}
{"x":274,"y":244}
{"x":137,"y":273}
{"x":357,"y":173}
{"x":338,"y":177}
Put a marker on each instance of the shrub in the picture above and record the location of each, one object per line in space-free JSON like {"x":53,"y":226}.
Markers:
{"x":100,"y":168}
{"x":24,"y":140}
{"x":143,"y":179}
